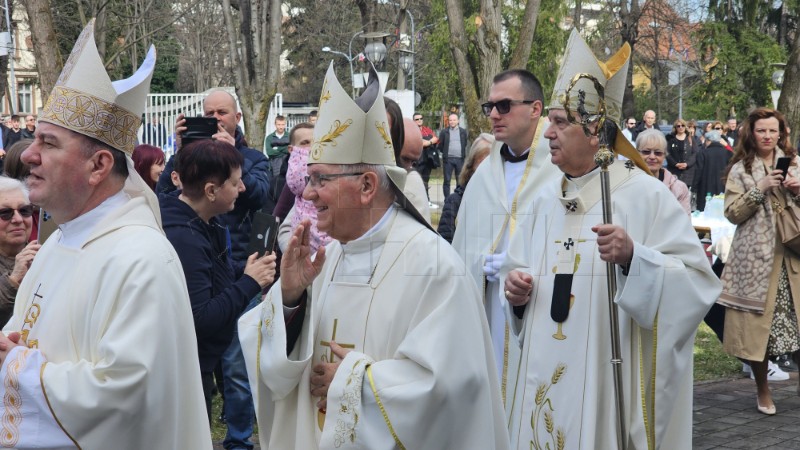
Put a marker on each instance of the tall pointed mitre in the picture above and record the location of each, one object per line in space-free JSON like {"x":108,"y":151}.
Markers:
{"x":86,"y":101}
{"x":612,"y":74}
{"x":357,"y":132}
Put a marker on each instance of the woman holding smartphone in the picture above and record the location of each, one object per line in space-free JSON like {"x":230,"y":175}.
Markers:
{"x":211,"y":177}
{"x":761,"y":279}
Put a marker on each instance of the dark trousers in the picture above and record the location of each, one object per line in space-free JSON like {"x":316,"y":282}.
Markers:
{"x":451,"y":165}
{"x":425,"y":172}
{"x":715,"y":317}
{"x":207,"y":379}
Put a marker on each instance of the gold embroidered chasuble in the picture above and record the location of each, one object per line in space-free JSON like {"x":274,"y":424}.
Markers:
{"x":494,"y":203}
{"x":420,"y":374}
{"x":565,"y":394}
{"x":111,"y":377}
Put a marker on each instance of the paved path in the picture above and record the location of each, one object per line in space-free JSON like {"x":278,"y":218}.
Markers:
{"x":725,"y":416}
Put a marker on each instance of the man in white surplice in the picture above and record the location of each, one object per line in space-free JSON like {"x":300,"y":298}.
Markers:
{"x":560,"y":313}
{"x":101,"y":350}
{"x":377,"y":341}
{"x":498,"y":195}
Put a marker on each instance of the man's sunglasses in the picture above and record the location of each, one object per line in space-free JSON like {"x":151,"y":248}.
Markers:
{"x":503,"y":106}
{"x":8,"y":213}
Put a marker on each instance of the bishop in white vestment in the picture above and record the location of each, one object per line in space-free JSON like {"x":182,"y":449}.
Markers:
{"x":101,"y":351}
{"x":377,"y":342}
{"x":566,"y":395}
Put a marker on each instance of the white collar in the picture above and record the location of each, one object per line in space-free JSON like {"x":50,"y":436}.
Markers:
{"x":75,"y":232}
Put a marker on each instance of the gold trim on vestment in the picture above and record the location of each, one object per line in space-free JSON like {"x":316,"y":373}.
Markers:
{"x":511,"y":219}
{"x":383,"y":410}
{"x":649,"y":422}
{"x":12,"y":401}
{"x":50,"y":407}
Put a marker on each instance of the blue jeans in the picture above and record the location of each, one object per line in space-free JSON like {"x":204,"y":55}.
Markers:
{"x":239,"y":412}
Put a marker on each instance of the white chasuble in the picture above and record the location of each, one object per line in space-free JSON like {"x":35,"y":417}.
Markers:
{"x":420,"y":373}
{"x":109,"y":376}
{"x":497,"y":199}
{"x":565,"y":398}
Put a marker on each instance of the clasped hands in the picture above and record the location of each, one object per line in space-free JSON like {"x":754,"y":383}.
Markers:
{"x":613,"y":243}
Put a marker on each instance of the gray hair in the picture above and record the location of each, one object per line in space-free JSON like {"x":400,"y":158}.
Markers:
{"x":8,"y":184}
{"x":384,"y":183}
{"x":714,"y":135}
{"x":651,"y":136}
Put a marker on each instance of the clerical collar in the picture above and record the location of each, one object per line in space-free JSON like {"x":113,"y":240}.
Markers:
{"x":375,"y":228}
{"x":574,"y":184}
{"x":75,"y":232}
{"x":509,"y":156}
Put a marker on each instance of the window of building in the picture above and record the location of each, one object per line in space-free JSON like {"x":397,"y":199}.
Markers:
{"x":25,"y":98}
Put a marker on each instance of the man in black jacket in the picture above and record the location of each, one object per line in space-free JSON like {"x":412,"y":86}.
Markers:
{"x":453,"y":148}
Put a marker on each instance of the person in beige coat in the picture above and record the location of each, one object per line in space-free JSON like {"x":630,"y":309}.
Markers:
{"x":761,"y":277}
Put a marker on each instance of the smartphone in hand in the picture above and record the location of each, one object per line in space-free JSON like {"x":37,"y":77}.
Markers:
{"x":198,"y":128}
{"x":783,"y":165}
{"x":263,"y":234}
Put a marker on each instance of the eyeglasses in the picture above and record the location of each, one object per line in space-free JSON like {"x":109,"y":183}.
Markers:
{"x":657,"y":153}
{"x":718,"y":128}
{"x":680,"y":126}
{"x":631,"y":124}
{"x":316,"y":180}
{"x":8,"y":213}
{"x":418,"y":118}
{"x":503,"y":106}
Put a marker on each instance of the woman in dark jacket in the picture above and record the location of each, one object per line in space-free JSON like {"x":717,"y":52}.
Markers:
{"x":477,"y":153}
{"x":681,"y":152}
{"x":211,"y":178}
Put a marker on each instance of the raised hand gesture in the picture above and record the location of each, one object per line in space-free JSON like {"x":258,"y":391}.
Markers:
{"x":298,"y":270}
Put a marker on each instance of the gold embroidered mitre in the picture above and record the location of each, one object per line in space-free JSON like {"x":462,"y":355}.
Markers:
{"x":86,"y":101}
{"x":357,"y":132}
{"x":612,"y":74}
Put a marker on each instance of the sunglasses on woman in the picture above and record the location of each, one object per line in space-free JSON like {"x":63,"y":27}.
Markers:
{"x":8,"y":213}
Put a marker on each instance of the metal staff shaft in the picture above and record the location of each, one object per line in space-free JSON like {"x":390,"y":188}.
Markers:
{"x":611,"y":279}
{"x":604,"y":158}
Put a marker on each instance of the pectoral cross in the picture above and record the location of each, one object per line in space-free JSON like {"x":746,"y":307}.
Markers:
{"x":329,"y":357}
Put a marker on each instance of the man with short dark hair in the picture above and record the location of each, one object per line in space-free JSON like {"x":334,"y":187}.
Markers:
{"x":733,"y":131}
{"x":627,"y":131}
{"x":276,"y":144}
{"x":101,"y":348}
{"x":155,"y":133}
{"x":453,"y":148}
{"x":498,"y":196}
{"x":430,"y":155}
{"x":312,"y":117}
{"x":14,"y":133}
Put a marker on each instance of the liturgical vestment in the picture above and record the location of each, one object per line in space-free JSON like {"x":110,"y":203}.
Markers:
{"x":420,"y":373}
{"x":497,"y":197}
{"x":111,"y":339}
{"x":565,"y":398}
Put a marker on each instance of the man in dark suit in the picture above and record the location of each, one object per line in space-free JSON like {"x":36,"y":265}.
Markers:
{"x":453,"y":148}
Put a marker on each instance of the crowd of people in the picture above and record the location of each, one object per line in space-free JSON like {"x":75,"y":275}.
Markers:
{"x":364,"y":327}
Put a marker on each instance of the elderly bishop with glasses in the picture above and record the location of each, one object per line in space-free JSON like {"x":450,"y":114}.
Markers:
{"x":558,"y":286}
{"x":375,"y":341}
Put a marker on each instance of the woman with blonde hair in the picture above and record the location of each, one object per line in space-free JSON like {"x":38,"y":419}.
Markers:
{"x":477,"y":153}
{"x":760,"y":281}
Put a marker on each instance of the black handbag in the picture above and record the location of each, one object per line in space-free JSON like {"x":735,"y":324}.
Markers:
{"x":432,"y":155}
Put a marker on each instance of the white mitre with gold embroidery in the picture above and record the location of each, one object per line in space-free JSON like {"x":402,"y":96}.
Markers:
{"x":612,"y":75}
{"x":357,"y":132}
{"x":86,"y":101}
